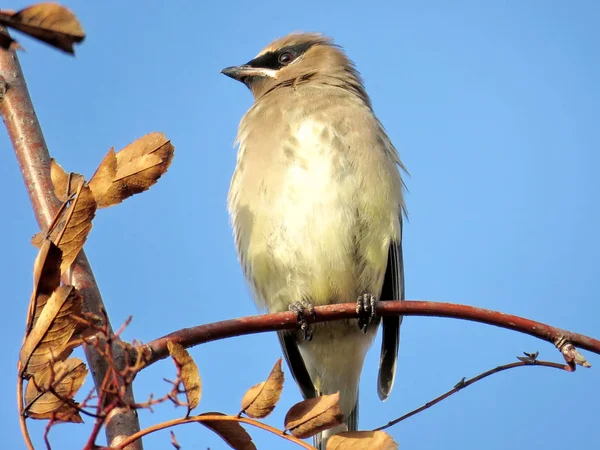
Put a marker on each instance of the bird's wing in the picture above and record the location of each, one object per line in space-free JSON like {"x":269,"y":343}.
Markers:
{"x":393,"y":289}
{"x":296,"y":363}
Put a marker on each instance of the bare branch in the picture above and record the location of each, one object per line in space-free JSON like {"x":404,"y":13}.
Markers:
{"x":189,"y":337}
{"x":174,"y":442}
{"x":213,"y":417}
{"x":22,"y":423}
{"x":465,"y":383}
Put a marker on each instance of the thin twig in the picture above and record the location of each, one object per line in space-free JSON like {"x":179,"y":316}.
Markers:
{"x":91,"y":443}
{"x":463,"y":384}
{"x":72,"y":403}
{"x":47,"y":432}
{"x":174,"y":442}
{"x":22,"y":422}
{"x":211,"y":418}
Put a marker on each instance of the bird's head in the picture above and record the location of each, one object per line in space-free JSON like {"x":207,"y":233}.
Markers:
{"x":293,"y":60}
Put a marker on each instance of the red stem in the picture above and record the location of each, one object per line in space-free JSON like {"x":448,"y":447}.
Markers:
{"x":189,"y":337}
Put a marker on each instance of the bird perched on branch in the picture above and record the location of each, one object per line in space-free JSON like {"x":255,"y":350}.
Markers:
{"x":316,"y":203}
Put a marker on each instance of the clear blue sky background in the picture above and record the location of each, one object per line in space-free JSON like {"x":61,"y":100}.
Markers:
{"x":494,"y":109}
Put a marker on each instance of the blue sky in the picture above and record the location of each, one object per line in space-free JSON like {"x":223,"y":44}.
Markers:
{"x":494,"y":109}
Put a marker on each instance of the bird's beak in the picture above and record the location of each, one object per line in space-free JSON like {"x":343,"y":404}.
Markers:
{"x":239,"y":72}
{"x":247,"y":73}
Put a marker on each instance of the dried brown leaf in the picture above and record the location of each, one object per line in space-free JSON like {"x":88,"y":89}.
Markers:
{"x":49,"y":22}
{"x":37,"y":240}
{"x":65,"y":184}
{"x":230,"y":431}
{"x":314,"y":415}
{"x":74,"y":225}
{"x":53,"y":335}
{"x":50,"y":392}
{"x":188,"y":372}
{"x":361,"y":440}
{"x":65,"y":413}
{"x":102,"y":180}
{"x":132,"y":170}
{"x":260,"y":399}
{"x":46,"y":278}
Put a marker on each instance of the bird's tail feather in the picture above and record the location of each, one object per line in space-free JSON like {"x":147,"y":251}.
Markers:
{"x":349,"y":424}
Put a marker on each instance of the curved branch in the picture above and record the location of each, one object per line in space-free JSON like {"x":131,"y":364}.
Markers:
{"x":22,"y":424}
{"x":464,"y":383}
{"x":188,"y":337}
{"x":212,"y":417}
{"x":32,"y":154}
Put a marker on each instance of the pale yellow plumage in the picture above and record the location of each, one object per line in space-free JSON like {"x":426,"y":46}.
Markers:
{"x":316,"y":201}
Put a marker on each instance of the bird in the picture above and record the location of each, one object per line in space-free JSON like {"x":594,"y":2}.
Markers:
{"x":316,"y":203}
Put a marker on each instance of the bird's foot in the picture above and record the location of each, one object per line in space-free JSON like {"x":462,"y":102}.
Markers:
{"x":365,"y":308}
{"x":302,"y":308}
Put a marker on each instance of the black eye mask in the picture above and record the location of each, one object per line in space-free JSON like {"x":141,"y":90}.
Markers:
{"x":270,"y":60}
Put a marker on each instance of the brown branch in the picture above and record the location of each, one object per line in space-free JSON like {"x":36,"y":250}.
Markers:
{"x":210,"y":417}
{"x":20,"y":400}
{"x":47,"y":433}
{"x":107,"y":410}
{"x":189,"y":337}
{"x":34,"y":160}
{"x":463,"y":384}
{"x":174,"y":442}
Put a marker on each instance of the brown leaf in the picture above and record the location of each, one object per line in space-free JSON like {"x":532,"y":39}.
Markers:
{"x":311,"y":416}
{"x":37,"y":240}
{"x":64,"y":413}
{"x":230,"y":431}
{"x":74,"y":225}
{"x":65,"y":184}
{"x":133,"y":170}
{"x":361,"y":440}
{"x":49,"y":22}
{"x":188,"y":372}
{"x":260,"y":399}
{"x":51,"y":337}
{"x":48,"y":389}
{"x":102,"y":180}
{"x":46,"y":278}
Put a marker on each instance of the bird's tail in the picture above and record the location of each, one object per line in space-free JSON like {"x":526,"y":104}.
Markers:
{"x":349,"y":424}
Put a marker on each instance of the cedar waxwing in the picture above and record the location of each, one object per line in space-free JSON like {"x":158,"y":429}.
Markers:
{"x":316,"y":203}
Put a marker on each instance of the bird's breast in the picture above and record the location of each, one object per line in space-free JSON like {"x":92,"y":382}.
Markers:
{"x":312,"y":166}
{"x":297,"y":210}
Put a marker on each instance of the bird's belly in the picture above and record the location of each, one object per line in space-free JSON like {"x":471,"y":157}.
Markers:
{"x":304,"y":253}
{"x":314,"y":224}
{"x":304,"y":245}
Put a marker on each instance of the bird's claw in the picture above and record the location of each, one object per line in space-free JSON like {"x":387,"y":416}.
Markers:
{"x":302,"y":308}
{"x":365,"y":308}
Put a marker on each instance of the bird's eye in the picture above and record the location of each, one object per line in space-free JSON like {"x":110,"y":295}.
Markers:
{"x":285,"y":58}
